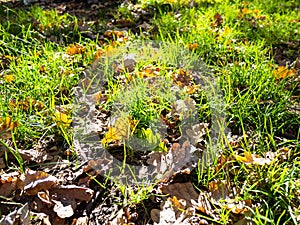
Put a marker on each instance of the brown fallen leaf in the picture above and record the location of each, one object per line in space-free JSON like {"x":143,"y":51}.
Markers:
{"x":72,"y":192}
{"x":34,"y":155}
{"x":204,"y":206}
{"x":40,"y":218}
{"x":34,"y":181}
{"x":81,"y":221}
{"x":249,"y":158}
{"x":179,"y":159}
{"x":20,"y":216}
{"x":75,"y":49}
{"x":224,"y":195}
{"x":183,"y":191}
{"x":6,"y":126}
{"x":8,"y":183}
{"x":167,"y":215}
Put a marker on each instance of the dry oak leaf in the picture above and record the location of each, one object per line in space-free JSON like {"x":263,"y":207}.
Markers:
{"x":34,"y":181}
{"x":80,"y":221}
{"x":34,"y":155}
{"x":172,"y":162}
{"x":183,"y":191}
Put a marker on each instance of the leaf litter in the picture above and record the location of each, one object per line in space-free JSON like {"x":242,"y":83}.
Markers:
{"x":52,"y":200}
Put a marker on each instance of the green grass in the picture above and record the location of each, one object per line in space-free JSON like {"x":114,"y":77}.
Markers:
{"x":239,"y":52}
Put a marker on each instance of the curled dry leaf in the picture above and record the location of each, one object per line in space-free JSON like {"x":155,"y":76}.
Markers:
{"x":34,"y":181}
{"x":130,"y":62}
{"x":64,"y":209}
{"x":40,"y":218}
{"x":74,"y":49}
{"x":61,"y":201}
{"x":283,"y":72}
{"x":81,"y":221}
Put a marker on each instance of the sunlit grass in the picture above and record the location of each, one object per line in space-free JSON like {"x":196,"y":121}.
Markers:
{"x":234,"y":39}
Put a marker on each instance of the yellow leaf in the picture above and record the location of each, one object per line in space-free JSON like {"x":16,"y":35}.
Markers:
{"x":283,"y":72}
{"x":74,"y":49}
{"x":193,"y":46}
{"x":110,"y":136}
{"x":176,"y":202}
{"x":121,"y":130}
{"x":256,"y":11}
{"x":99,"y":54}
{"x":122,"y":127}
{"x":11,"y":58}
{"x":62,"y":119}
{"x":247,"y":158}
{"x":9,"y":78}
{"x":245,"y":11}
{"x":7,"y":125}
{"x":109,"y":50}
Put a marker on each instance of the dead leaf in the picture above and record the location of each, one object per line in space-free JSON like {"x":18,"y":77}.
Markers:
{"x":130,"y":62}
{"x":218,"y":20}
{"x":72,"y":192}
{"x":34,"y":181}
{"x":283,"y":72}
{"x":6,"y":126}
{"x":27,"y":104}
{"x":172,"y":162}
{"x":193,"y":46}
{"x":40,"y":218}
{"x":62,"y":119}
{"x":224,"y":195}
{"x":20,"y":216}
{"x":183,"y":191}
{"x":113,"y":33}
{"x":196,"y":132}
{"x":249,"y":158}
{"x":219,"y":190}
{"x":204,"y":206}
{"x":64,"y":209}
{"x":75,"y":49}
{"x":8,"y":183}
{"x":167,"y":215}
{"x":80,"y":221}
{"x":34,"y":155}
{"x":9,"y":78}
